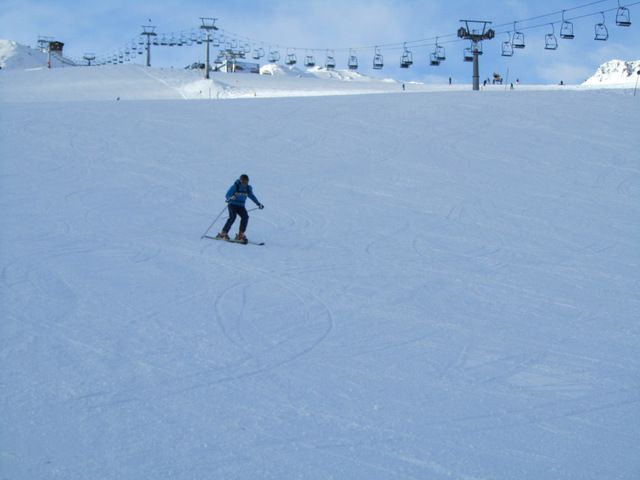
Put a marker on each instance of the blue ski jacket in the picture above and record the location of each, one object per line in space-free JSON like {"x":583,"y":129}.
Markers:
{"x":238,"y":193}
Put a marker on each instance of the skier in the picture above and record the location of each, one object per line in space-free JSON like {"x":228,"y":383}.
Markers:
{"x":236,"y":196}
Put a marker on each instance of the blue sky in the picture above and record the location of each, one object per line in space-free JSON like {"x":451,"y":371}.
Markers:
{"x":107,"y":26}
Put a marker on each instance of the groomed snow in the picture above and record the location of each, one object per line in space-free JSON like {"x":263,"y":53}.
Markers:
{"x":448,"y":290}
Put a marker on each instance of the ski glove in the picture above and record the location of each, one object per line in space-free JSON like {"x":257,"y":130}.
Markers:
{"x":261,"y":206}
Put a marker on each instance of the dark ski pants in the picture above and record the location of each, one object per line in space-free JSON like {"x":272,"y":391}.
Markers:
{"x":234,"y":211}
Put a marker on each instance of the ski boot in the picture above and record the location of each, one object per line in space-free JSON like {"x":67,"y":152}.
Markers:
{"x":222,"y":236}
{"x":241,"y":238}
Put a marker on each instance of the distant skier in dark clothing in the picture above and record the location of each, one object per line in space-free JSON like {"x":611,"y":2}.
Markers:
{"x":236,"y":197}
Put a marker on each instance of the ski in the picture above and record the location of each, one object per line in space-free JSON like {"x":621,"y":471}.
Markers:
{"x":248,"y":242}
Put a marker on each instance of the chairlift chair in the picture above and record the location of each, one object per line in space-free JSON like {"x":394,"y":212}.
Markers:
{"x":601,"y":32}
{"x":566,"y":30}
{"x":330,"y":61}
{"x":507,"y":48}
{"x":309,"y":60}
{"x":353,"y":61}
{"x":550,"y":40}
{"x":518,"y":38}
{"x":378,"y":61}
{"x":468,"y":54}
{"x":274,"y":56}
{"x":434,"y":62}
{"x":406,"y":60}
{"x":291,"y":59}
{"x":623,"y":16}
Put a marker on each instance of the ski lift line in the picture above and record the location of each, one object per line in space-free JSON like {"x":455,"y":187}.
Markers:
{"x":425,"y":42}
{"x":579,"y":7}
{"x":431,"y":41}
{"x":587,"y":15}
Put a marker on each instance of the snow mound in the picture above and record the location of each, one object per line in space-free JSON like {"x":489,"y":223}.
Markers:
{"x":318,"y":72}
{"x":615,"y":72}
{"x":280,"y":70}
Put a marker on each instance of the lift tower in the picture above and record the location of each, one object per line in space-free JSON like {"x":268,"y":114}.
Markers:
{"x":476,"y":35}
{"x":208,"y":24}
{"x":148,"y":31}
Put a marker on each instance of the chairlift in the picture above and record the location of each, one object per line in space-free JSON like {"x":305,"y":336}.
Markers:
{"x":550,"y":40}
{"x":507,"y":48}
{"x":309,"y":60}
{"x":566,"y":30}
{"x":291,"y":59}
{"x":378,"y":61}
{"x":518,"y":38}
{"x":623,"y":17}
{"x":434,"y":62}
{"x":353,"y":61}
{"x":330,"y":61}
{"x":274,"y":56}
{"x":406,"y":60}
{"x":258,"y":53}
{"x":468,"y":54}
{"x":163,"y":41}
{"x":440,"y":52}
{"x":602,"y":33}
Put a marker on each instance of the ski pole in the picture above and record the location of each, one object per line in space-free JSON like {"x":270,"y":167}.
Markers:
{"x":212,"y":223}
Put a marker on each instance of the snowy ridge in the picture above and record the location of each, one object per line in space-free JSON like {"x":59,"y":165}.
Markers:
{"x":615,"y":73}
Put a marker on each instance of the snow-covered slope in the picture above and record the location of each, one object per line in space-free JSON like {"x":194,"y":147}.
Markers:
{"x":615,"y":73}
{"x":16,"y":56}
{"x":435,"y":300}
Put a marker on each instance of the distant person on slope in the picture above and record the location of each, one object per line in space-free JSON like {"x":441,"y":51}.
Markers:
{"x":236,"y":197}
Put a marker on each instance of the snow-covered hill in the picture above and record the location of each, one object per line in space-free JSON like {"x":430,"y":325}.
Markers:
{"x":615,"y":73}
{"x":19,"y":57}
{"x":435,"y":300}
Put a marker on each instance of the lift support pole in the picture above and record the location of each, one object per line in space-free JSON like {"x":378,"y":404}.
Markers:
{"x":476,"y":35}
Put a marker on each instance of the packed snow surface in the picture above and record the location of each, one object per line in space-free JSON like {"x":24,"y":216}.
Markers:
{"x":449,"y":287}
